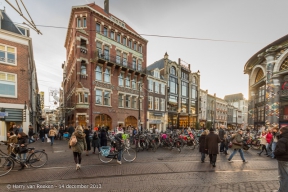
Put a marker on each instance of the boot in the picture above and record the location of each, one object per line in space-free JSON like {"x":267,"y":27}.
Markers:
{"x":260,"y":153}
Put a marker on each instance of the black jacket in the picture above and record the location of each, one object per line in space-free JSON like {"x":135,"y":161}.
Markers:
{"x":281,"y":150}
{"x":221,"y":133}
{"x":42,"y":133}
{"x":22,"y":149}
{"x":71,"y":130}
{"x":202,"y":144}
{"x":31,"y":132}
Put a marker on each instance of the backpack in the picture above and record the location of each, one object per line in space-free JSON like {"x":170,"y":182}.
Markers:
{"x":73,"y":141}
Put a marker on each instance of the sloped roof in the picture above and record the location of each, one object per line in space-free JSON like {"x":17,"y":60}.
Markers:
{"x":234,"y":97}
{"x":7,"y":24}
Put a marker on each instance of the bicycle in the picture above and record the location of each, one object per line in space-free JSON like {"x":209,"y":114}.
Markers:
{"x":36,"y":159}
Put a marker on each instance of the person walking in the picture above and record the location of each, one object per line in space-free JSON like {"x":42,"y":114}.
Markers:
{"x":52,"y":134}
{"x":211,"y":146}
{"x":88,"y":142}
{"x":202,"y":145}
{"x":61,"y":132}
{"x":269,"y":137}
{"x":275,"y":138}
{"x":119,"y":142}
{"x":71,"y":130}
{"x":42,"y":134}
{"x":221,"y":136}
{"x":22,"y":149}
{"x":281,"y":154}
{"x":78,"y":144}
{"x":95,"y":142}
{"x":103,"y":136}
{"x":12,"y":139}
{"x":237,"y":143}
{"x":47,"y":129}
{"x":30,"y":134}
{"x":263,"y":143}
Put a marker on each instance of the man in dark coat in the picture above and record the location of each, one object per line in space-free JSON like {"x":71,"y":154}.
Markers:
{"x":281,"y":154}
{"x":211,"y":145}
{"x":71,"y":130}
{"x":221,"y":136}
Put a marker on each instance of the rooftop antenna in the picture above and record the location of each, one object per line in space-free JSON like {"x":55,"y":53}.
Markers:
{"x":30,"y":23}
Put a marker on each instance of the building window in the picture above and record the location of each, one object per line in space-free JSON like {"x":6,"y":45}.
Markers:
{"x":184,"y":105}
{"x":118,"y":57}
{"x":98,"y":28}
{"x":112,"y":35}
{"x":124,"y":59}
{"x":135,"y":46}
{"x":156,"y":74}
{"x":162,"y":104}
{"x":8,"y":84}
{"x":134,"y":63}
{"x":99,"y":96}
{"x":184,"y":89}
{"x":127,"y":101}
{"x":78,"y":22}
{"x":106,"y":52}
{"x":133,"y":83}
{"x":83,"y":43}
{"x":7,"y":55}
{"x":139,"y":65}
{"x":194,"y":80}
{"x":120,"y":100}
{"x":150,"y":85}
{"x":107,"y":75}
{"x":127,"y":83}
{"x":124,"y":41}
{"x":184,"y":75}
{"x":194,"y":92}
{"x":156,"y":87}
{"x":130,"y":44}
{"x":140,"y":84}
{"x":105,"y":32}
{"x":120,"y":80}
{"x":80,"y":97}
{"x":83,"y":68}
{"x":140,"y":48}
{"x":84,"y":22}
{"x":150,"y":103}
{"x":85,"y":97}
{"x":173,"y":71}
{"x":98,"y":73}
{"x":156,"y":104}
{"x":173,"y":85}
{"x":99,"y":48}
{"x":134,"y":103}
{"x":118,"y":38}
{"x":107,"y":98}
{"x":163,"y":89}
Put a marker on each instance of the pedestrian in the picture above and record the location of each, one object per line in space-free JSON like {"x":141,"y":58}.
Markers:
{"x":119,"y":142}
{"x":202,"y":145}
{"x":20,"y":129}
{"x":66,"y":129}
{"x":88,"y":142}
{"x":103,"y":136}
{"x":52,"y":134}
{"x":12,"y":139}
{"x":79,"y":146}
{"x":16,"y":129}
{"x":42,"y":134}
{"x":71,"y":130}
{"x":221,"y":136}
{"x":269,"y":142}
{"x":46,"y":134}
{"x":275,"y":138}
{"x":237,"y":143}
{"x":30,"y":134}
{"x":225,"y":144}
{"x":22,"y":149}
{"x":281,"y":154}
{"x":211,"y":145}
{"x":61,"y":132}
{"x":263,"y":143}
{"x":95,"y":142}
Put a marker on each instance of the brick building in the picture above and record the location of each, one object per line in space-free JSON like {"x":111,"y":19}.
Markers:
{"x":18,"y":79}
{"x":105,"y":64}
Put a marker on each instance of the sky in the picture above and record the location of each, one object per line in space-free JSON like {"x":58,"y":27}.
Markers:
{"x":253,"y":24}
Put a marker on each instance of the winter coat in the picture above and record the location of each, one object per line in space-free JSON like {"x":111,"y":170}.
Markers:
{"x":31,"y":132}
{"x":42,"y":133}
{"x":281,"y":150}
{"x":221,"y":133}
{"x":88,"y":142}
{"x":269,"y":137}
{"x":202,"y":144}
{"x":52,"y":132}
{"x":71,"y":130}
{"x":118,"y":140}
{"x":11,"y":139}
{"x":24,"y":141}
{"x":211,"y":143}
{"x":95,"y":140}
{"x":81,"y":142}
{"x":263,"y":139}
{"x":47,"y":130}
{"x":238,"y":139}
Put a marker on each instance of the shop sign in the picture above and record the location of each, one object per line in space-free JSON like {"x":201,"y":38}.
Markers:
{"x":3,"y":114}
{"x":153,"y":121}
{"x":158,"y":114}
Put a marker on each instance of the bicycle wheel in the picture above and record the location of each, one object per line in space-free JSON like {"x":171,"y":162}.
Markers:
{"x":4,"y":168}
{"x":105,"y":159}
{"x":129,"y":155}
{"x":38,"y":159}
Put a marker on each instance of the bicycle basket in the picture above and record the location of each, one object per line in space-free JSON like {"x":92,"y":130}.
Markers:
{"x":105,"y":150}
{"x":125,"y":136}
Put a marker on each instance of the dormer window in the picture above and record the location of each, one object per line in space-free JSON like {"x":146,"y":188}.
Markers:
{"x":156,"y":74}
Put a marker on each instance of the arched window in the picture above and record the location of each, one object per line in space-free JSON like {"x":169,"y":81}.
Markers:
{"x":284,"y":65}
{"x":194,"y":80}
{"x":107,"y":75}
{"x":98,"y":73}
{"x":172,"y":71}
{"x":259,"y":75}
{"x":120,"y":80}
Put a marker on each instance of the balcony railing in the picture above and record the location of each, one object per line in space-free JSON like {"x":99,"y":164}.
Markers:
{"x":121,"y":62}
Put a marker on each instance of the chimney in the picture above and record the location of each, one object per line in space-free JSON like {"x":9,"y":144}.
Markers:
{"x":106,"y":6}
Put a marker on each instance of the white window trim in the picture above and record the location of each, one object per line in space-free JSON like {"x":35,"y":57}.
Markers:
{"x":162,"y":101}
{"x":156,"y":89}
{"x":123,"y":101}
{"x":102,"y":79}
{"x":109,"y":76}
{"x":152,"y":106}
{"x":83,"y":23}
{"x":5,"y":62}
{"x":129,"y":102}
{"x":110,"y":92}
{"x":150,"y":90}
{"x":156,"y":105}
{"x":16,"y":85}
{"x":123,"y":79}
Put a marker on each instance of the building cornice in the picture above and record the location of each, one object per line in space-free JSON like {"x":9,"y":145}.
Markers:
{"x":7,"y":35}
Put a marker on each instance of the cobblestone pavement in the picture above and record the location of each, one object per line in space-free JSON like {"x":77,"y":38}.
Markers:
{"x":163,"y":170}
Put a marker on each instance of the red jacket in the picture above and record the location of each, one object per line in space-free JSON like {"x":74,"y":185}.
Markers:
{"x":269,"y":137}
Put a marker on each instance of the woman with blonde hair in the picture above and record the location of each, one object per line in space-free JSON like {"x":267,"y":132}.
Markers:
{"x":263,"y":142}
{"x":202,"y":145}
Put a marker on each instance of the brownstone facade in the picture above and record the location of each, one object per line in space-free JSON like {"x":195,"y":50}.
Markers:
{"x":99,"y":53}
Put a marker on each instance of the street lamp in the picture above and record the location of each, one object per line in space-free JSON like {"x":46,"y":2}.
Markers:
{"x":140,"y":85}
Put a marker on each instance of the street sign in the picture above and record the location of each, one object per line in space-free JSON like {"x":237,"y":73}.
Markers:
{"x":3,"y":114}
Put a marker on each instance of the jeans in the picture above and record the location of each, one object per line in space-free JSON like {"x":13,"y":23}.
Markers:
{"x":22,"y":156}
{"x":42,"y":139}
{"x":119,"y":155}
{"x":202,"y":156}
{"x":52,"y":140}
{"x":222,"y":146}
{"x":234,"y":152}
{"x":283,"y":175}
{"x":268,"y":149}
{"x":273,"y":149}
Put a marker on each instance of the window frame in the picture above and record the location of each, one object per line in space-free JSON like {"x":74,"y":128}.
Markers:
{"x":128,"y":79}
{"x":112,"y":32}
{"x":79,"y":22}
{"x":156,"y":104}
{"x":105,"y":75}
{"x":150,"y":83}
{"x":118,"y":38}
{"x":6,"y":52}
{"x":7,"y":82}
{"x":162,"y":104}
{"x":156,"y":87}
{"x":127,"y":101}
{"x":121,"y":76}
{"x":105,"y":33}
{"x":107,"y":98}
{"x":101,"y":97}
{"x":98,"y":31}
{"x":84,"y":22}
{"x":150,"y":103}
{"x":97,"y":72}
{"x":121,"y":100}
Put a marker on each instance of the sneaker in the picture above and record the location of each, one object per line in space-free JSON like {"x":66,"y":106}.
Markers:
{"x":230,"y":161}
{"x":77,"y":166}
{"x":119,"y":162}
{"x":245,"y":161}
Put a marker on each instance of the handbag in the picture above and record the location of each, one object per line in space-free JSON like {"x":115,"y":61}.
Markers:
{"x":234,"y":142}
{"x":230,"y":144}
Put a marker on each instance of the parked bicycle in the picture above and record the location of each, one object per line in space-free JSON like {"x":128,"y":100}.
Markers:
{"x":35,"y":158}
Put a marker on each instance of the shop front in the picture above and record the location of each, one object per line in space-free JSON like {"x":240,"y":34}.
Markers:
{"x":103,"y":120}
{"x":156,"y":120}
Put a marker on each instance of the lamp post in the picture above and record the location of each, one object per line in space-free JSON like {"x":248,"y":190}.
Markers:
{"x":139,"y":115}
